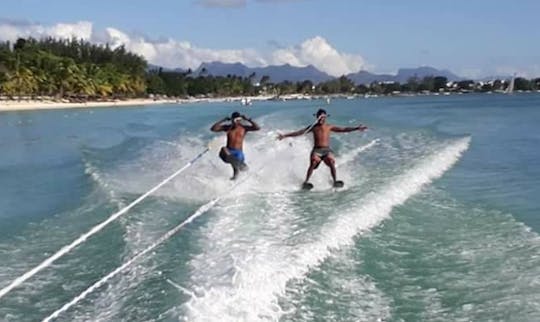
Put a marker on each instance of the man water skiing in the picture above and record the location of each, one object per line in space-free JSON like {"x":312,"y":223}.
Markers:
{"x":321,"y":145}
{"x":236,"y":131}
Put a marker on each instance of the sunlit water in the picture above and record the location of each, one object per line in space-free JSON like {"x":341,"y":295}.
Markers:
{"x":438,"y":220}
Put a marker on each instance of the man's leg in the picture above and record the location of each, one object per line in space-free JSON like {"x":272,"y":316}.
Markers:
{"x":331,"y":163}
{"x":235,"y":172}
{"x":226,"y":156}
{"x":314,"y":163}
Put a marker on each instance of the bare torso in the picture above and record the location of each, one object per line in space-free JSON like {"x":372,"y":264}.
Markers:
{"x":321,"y":135}
{"x":235,"y":137}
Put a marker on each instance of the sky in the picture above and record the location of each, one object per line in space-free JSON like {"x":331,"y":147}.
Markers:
{"x":473,"y":39}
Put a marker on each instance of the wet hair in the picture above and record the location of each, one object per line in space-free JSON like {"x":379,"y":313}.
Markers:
{"x":235,"y":115}
{"x":321,"y":112}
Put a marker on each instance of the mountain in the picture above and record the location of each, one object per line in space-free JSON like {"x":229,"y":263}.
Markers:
{"x":364,"y":77}
{"x":402,"y":76}
{"x":290,"y":73}
{"x":154,"y":68}
{"x":293,"y":74}
{"x":277,"y":74}
{"x":222,"y":69}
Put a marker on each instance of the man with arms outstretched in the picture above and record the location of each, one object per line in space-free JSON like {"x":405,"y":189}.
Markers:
{"x":321,"y":145}
{"x":233,"y":153}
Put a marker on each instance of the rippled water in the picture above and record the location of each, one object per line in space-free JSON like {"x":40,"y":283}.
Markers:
{"x":438,"y":220}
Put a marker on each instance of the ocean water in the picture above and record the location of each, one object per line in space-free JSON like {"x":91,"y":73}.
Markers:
{"x":439,"y":219}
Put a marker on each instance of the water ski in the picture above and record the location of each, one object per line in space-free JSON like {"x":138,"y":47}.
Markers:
{"x":307,"y":186}
{"x":339,"y":184}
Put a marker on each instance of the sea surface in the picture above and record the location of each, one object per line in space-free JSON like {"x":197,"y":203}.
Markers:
{"x":439,"y":218}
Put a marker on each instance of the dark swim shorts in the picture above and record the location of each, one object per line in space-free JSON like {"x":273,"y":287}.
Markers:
{"x":322,"y":152}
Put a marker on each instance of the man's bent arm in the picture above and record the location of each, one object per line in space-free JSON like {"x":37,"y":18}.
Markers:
{"x":253,"y":126}
{"x":218,"y":127}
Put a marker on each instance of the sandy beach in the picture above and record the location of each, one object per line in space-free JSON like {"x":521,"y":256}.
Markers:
{"x":22,"y":105}
{"x":14,"y":105}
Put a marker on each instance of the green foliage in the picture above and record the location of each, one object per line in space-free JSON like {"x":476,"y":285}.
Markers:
{"x":439,"y":83}
{"x":522,"y":84}
{"x":69,"y":68}
{"x":465,"y":85}
{"x":78,"y":69}
{"x":334,"y":86}
{"x":536,"y":83}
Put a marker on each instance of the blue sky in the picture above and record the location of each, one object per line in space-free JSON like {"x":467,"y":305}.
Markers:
{"x":476,"y":38}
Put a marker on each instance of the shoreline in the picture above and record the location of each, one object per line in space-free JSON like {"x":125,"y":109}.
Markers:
{"x":36,"y":105}
{"x":49,"y":104}
{"x":7,"y":105}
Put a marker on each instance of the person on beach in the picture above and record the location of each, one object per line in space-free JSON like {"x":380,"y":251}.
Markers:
{"x":321,"y":145}
{"x":232,"y":153}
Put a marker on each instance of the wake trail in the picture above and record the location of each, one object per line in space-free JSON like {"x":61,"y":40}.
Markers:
{"x":348,"y":157}
{"x":256,"y":289}
{"x":203,"y":209}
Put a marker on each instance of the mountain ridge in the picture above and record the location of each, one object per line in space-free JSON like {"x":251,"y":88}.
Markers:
{"x":276,"y":73}
{"x":287,"y":72}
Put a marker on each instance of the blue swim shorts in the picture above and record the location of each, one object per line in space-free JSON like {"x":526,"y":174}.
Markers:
{"x":237,"y":154}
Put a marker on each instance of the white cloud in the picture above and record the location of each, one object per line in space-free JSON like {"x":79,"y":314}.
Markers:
{"x":173,"y":53}
{"x":319,"y":53}
{"x":80,"y":30}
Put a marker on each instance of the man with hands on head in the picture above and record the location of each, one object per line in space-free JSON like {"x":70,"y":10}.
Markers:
{"x":236,"y":130}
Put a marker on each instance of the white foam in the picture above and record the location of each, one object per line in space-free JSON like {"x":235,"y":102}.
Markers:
{"x":249,"y":289}
{"x":200,"y":211}
{"x":347,"y":293}
{"x":287,"y":163}
{"x":102,"y":181}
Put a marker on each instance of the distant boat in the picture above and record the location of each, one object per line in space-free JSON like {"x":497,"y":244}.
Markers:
{"x":245,"y":101}
{"x":510,"y":88}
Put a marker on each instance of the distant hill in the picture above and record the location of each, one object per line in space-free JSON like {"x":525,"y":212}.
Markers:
{"x":405,"y":73}
{"x":402,"y":76}
{"x":287,"y":72}
{"x":365,"y":77}
{"x":222,"y":69}
{"x":152,"y":67}
{"x":276,"y":73}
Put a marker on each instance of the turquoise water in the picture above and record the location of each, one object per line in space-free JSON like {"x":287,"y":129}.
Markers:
{"x":438,"y":221}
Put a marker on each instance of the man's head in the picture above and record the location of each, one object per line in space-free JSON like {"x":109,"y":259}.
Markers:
{"x":236,"y":117}
{"x":321,"y":115}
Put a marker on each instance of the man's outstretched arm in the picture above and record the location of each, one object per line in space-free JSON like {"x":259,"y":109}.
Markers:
{"x":218,"y":127}
{"x":292,"y":134}
{"x":348,"y":129}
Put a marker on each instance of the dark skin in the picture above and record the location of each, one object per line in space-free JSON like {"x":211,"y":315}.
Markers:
{"x":236,"y":131}
{"x":321,"y":139}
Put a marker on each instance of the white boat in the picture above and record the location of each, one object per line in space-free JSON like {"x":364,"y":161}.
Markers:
{"x":245,"y":101}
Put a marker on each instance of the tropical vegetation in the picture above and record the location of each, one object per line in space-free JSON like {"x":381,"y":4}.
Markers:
{"x":69,"y":68}
{"x":79,"y":70}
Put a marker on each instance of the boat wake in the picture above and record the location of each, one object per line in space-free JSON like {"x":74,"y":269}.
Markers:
{"x":245,"y":268}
